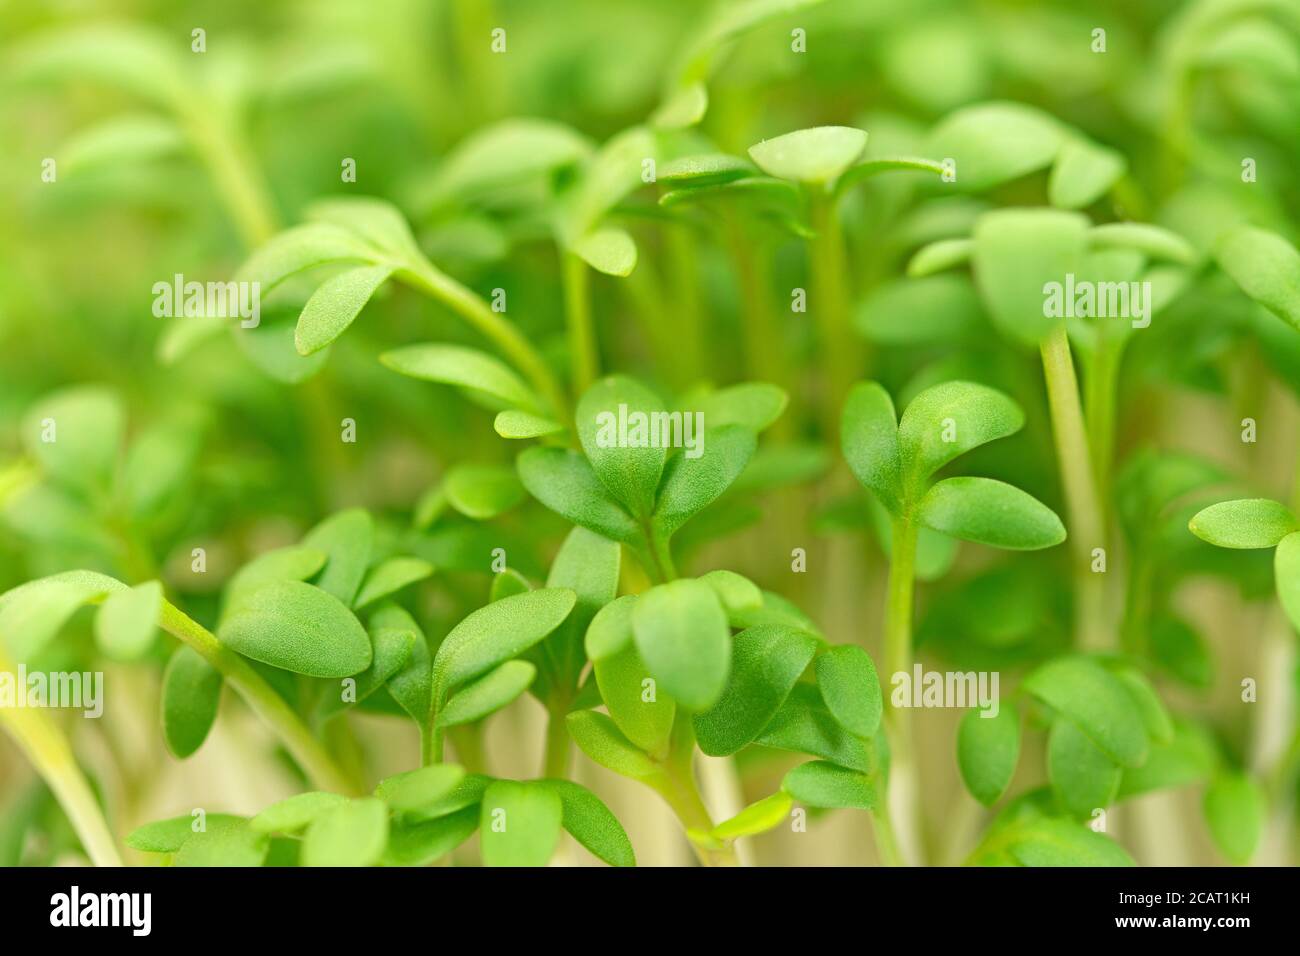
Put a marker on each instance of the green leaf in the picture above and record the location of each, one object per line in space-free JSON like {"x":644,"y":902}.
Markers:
{"x":1266,"y":266}
{"x":346,"y":539}
{"x":488,"y":694}
{"x":142,"y":61}
{"x":1286,"y":575}
{"x":988,"y":748}
{"x":933,"y":310}
{"x":467,"y":793}
{"x":948,"y":420}
{"x":419,"y":844}
{"x":589,"y":564}
{"x":766,"y":661}
{"x":1179,"y":649}
{"x":755,"y":405}
{"x":1156,"y":719}
{"x":513,"y":423}
{"x":611,"y":251}
{"x":886,"y":164}
{"x":610,"y":630}
{"x":191,"y":694}
{"x":647,"y":722}
{"x":605,"y":180}
{"x":1055,"y":842}
{"x":295,"y":813}
{"x":993,"y":143}
{"x":691,"y":484}
{"x":1235,"y":811}
{"x":1085,"y":778}
{"x":804,"y":725}
{"x":504,"y":153}
{"x":391,"y":650}
{"x":135,"y":139}
{"x":519,"y":823}
{"x":1083,"y":173}
{"x":940,"y":256}
{"x":33,"y":615}
{"x":482,"y":491}
{"x":759,"y":817}
{"x":618,"y":425}
{"x":683,"y":108}
{"x":1095,"y":701}
{"x":299,"y":628}
{"x":1152,"y":241}
{"x":127,"y":621}
{"x":848,"y":683}
{"x":682,"y":635}
{"x":76,"y":434}
{"x":597,"y":736}
{"x":412,"y":686}
{"x":1189,"y":758}
{"x":485,"y":379}
{"x":869,"y":439}
{"x":294,"y":563}
{"x":376,"y":221}
{"x":417,"y":790}
{"x":389,"y":577}
{"x":822,"y":784}
{"x":1018,"y":252}
{"x":335,"y":304}
{"x":817,"y":155}
{"x":739,"y":595}
{"x":496,"y":633}
{"x":168,"y":836}
{"x":565,"y":482}
{"x":353,"y":834}
{"x":227,"y":841}
{"x":592,"y":824}
{"x":990,"y":512}
{"x":508,"y":583}
{"x":703,"y":169}
{"x":300,"y":248}
{"x":1245,"y":523}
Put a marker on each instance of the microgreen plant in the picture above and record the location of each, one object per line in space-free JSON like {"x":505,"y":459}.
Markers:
{"x":526,"y":465}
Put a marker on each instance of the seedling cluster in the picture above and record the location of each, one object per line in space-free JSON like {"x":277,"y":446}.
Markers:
{"x":533,"y":466}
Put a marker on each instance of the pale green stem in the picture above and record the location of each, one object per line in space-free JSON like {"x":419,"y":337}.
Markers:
{"x":578,"y":320}
{"x":886,"y":841}
{"x":829,"y":303}
{"x":497,"y":330}
{"x":898,"y":660}
{"x":1086,"y":530}
{"x":556,"y":761}
{"x":309,"y":752}
{"x":235,"y":174}
{"x":50,"y":753}
{"x":1101,"y":387}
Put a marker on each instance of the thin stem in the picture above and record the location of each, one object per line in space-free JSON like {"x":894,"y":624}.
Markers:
{"x":264,"y":701}
{"x":50,"y":753}
{"x":841,"y":350}
{"x":898,"y":660}
{"x":1100,"y":388}
{"x":556,"y":761}
{"x":468,"y":741}
{"x":1085,"y":521}
{"x":497,"y":330}
{"x":686,"y":311}
{"x":236,"y":176}
{"x":886,"y":840}
{"x":578,"y":321}
{"x":683,"y":796}
{"x":764,"y":340}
